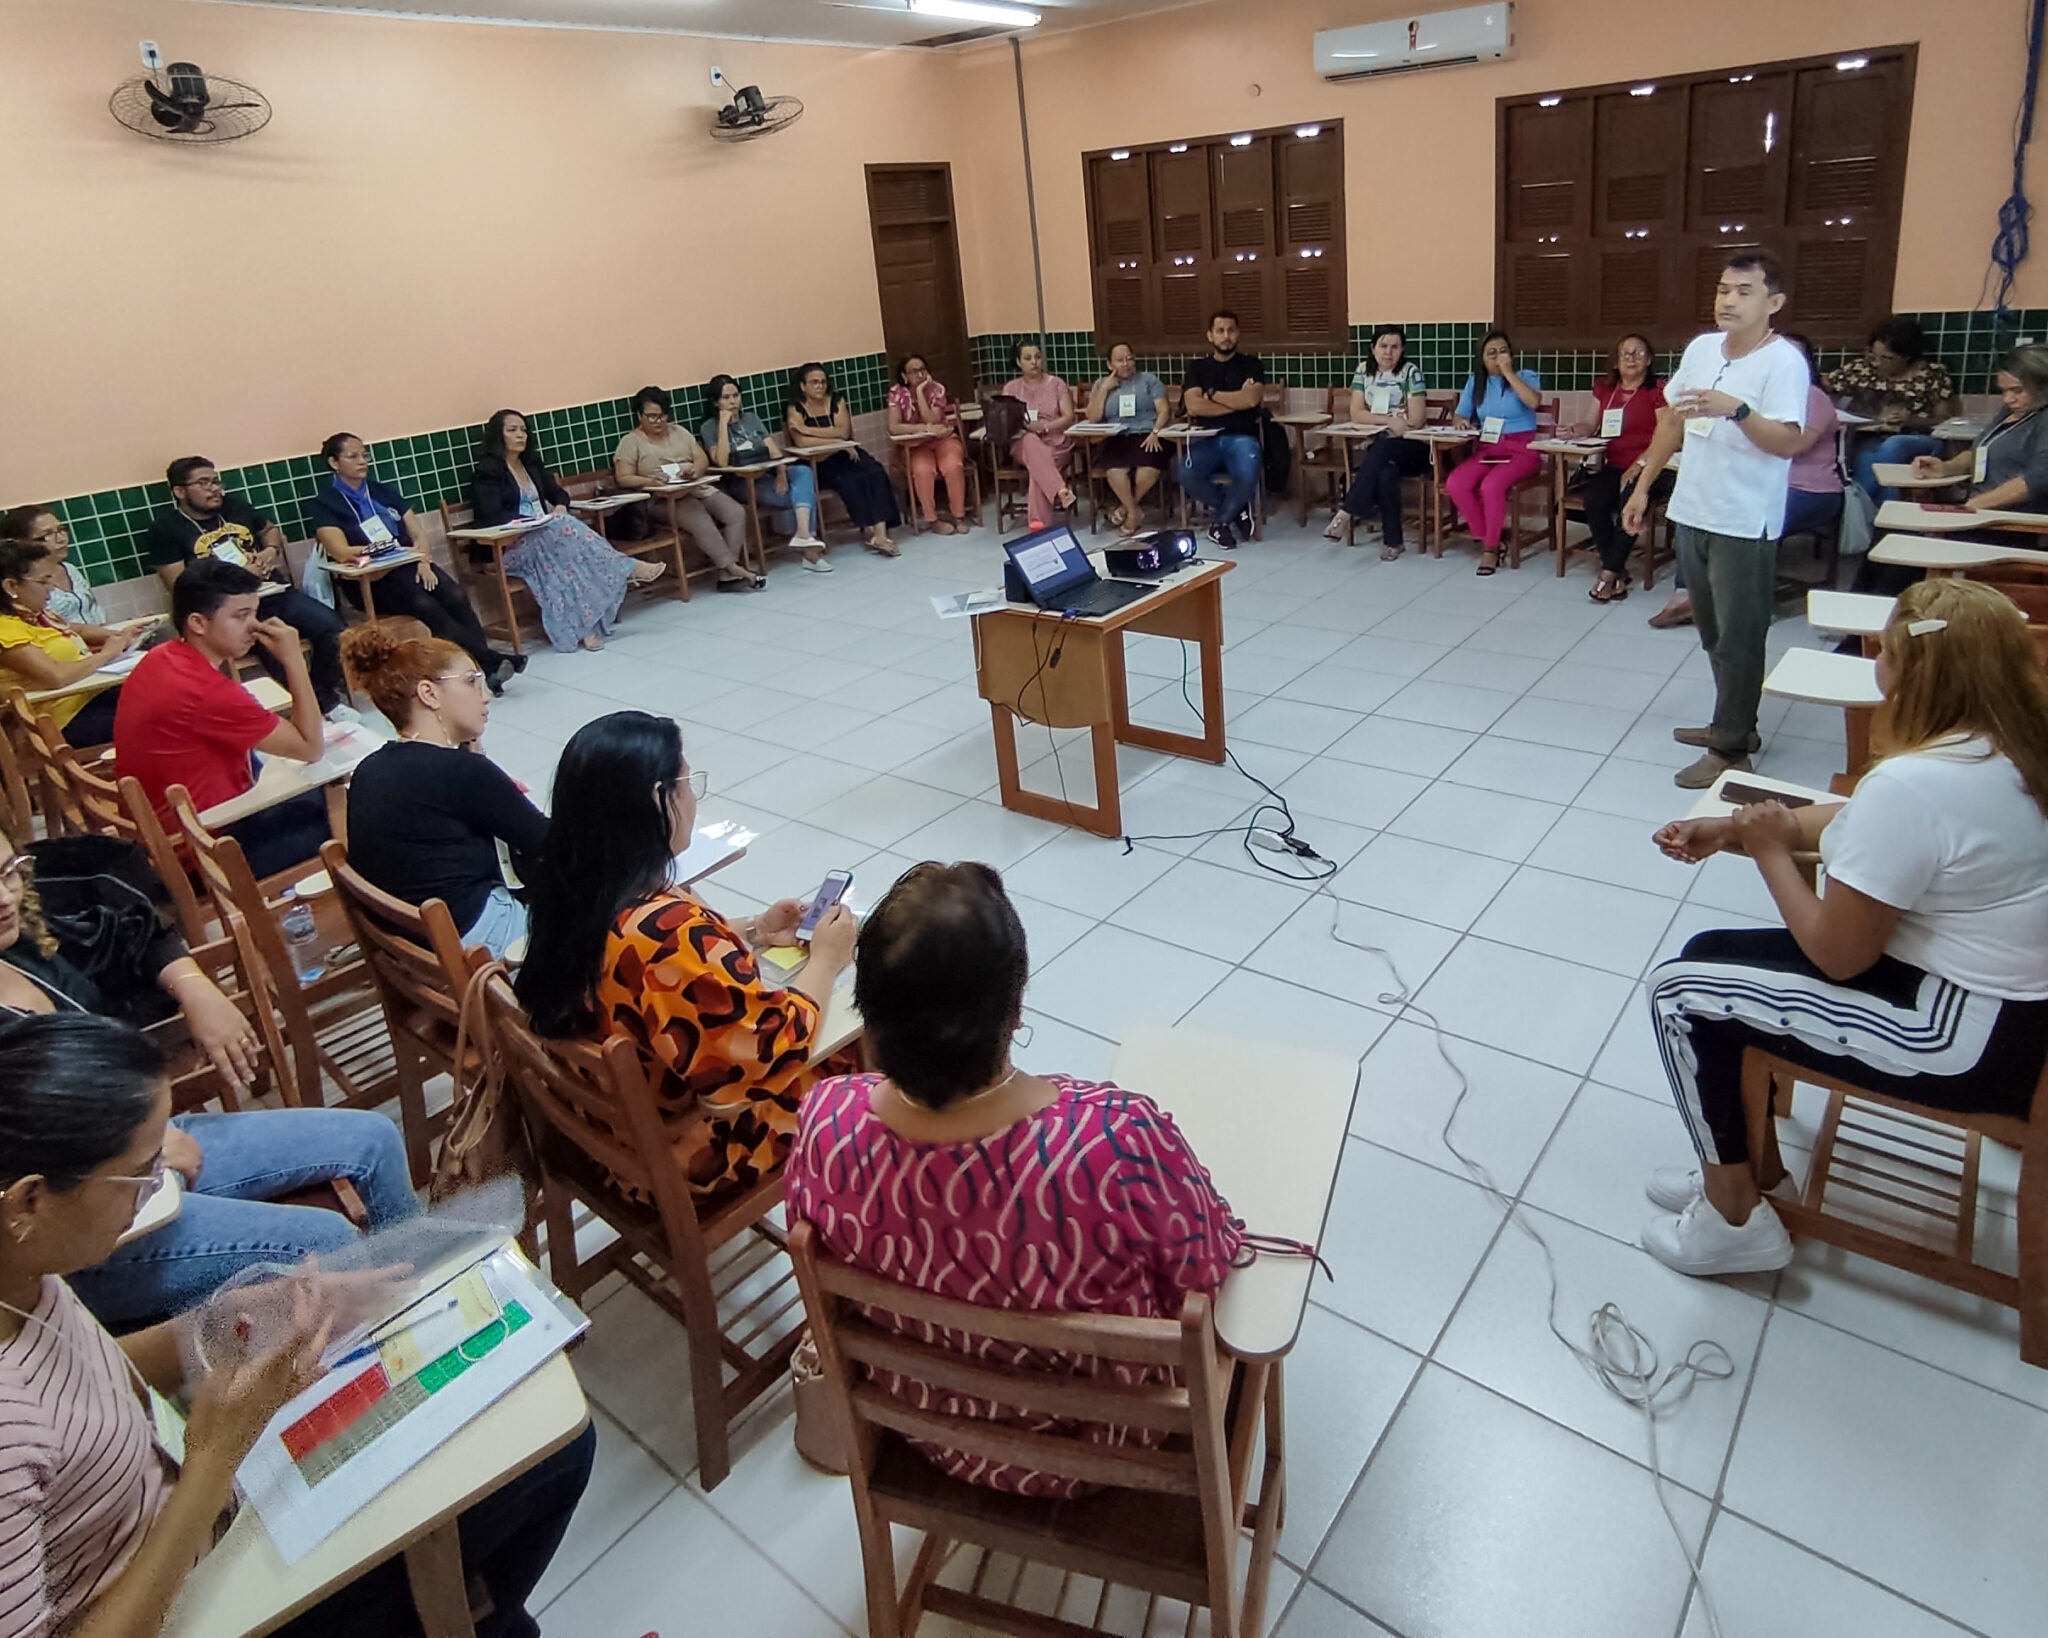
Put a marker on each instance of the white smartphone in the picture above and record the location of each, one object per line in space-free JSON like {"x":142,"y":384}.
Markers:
{"x":830,"y":892}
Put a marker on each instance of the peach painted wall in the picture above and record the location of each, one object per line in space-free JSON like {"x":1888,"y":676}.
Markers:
{"x":1419,"y":148}
{"x":439,"y":218}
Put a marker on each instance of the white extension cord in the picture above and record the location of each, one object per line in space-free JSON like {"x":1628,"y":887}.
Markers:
{"x":1615,"y":1353}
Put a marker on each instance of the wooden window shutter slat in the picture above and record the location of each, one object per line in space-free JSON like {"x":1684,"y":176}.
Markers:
{"x":1631,"y":288}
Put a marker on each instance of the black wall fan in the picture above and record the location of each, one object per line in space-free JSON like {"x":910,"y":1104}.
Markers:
{"x":750,"y":115}
{"x":180,"y":103}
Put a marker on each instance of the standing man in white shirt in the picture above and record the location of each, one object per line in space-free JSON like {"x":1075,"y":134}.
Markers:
{"x":1735,"y":403}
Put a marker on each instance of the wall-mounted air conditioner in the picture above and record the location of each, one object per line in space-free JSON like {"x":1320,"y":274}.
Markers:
{"x":1468,"y":35}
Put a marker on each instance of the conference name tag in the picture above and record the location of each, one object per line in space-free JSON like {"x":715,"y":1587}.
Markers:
{"x":1699,"y":426}
{"x":1610,"y":423}
{"x":375,"y":532}
{"x":1380,"y":400}
{"x":1490,"y":429}
{"x":1031,"y":415}
{"x":1126,"y":405}
{"x":1978,"y":462}
{"x":671,"y":470}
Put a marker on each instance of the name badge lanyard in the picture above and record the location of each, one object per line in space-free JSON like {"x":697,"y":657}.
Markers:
{"x":1983,"y":450}
{"x":375,"y":529}
{"x":1611,"y":414}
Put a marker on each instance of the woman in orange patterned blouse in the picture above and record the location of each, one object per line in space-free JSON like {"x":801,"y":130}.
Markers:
{"x":616,"y":948}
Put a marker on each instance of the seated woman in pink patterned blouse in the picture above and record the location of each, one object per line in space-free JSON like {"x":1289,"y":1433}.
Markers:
{"x":961,"y":1175}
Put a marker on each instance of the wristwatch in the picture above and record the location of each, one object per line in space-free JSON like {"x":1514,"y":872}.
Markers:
{"x":1741,"y":414}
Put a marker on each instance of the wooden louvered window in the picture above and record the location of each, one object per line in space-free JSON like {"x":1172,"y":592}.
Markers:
{"x":1618,"y":203}
{"x":1253,"y":222}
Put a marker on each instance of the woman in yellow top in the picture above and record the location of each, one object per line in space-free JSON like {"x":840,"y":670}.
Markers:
{"x":615,"y":947}
{"x":37,"y":650}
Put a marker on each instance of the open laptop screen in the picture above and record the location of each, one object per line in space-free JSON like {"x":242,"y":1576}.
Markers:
{"x":1051,"y":562}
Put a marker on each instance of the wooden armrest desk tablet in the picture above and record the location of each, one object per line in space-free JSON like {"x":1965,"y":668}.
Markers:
{"x":1013,"y":647}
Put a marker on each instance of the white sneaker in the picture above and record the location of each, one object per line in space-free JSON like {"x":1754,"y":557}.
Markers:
{"x":1673,"y":1188}
{"x":807,"y":542}
{"x":1700,"y":1241}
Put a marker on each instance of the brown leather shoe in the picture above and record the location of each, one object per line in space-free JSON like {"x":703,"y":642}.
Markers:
{"x":1703,"y":737}
{"x":1667,"y":617}
{"x":1710,"y":767}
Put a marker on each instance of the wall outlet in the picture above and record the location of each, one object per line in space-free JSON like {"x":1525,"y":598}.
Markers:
{"x":152,"y":59}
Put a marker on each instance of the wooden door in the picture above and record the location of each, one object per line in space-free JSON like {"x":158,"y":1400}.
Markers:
{"x":917,"y":271}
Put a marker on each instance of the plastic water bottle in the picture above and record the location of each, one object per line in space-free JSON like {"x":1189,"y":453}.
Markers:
{"x":302,"y":939}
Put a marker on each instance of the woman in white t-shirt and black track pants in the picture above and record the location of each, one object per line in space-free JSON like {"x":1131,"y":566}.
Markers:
{"x":1386,"y":390}
{"x":1922,"y":973}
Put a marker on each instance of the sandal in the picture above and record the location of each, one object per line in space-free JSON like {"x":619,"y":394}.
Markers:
{"x":1486,"y":567}
{"x":1609,"y":588}
{"x":1116,"y":518}
{"x":1389,"y":553}
{"x":1335,"y":529}
{"x":941,"y":527}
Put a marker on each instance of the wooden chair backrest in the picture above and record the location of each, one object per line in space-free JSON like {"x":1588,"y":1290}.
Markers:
{"x":17,"y":802}
{"x":595,"y":1102}
{"x":62,"y":815}
{"x":1440,"y":406}
{"x":237,"y":896}
{"x":1340,"y":402}
{"x":1187,"y":1410}
{"x":415,"y":952}
{"x":197,"y":921}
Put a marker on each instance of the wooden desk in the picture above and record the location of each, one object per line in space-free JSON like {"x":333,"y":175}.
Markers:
{"x":1957,"y":429}
{"x":1948,"y":556}
{"x":367,"y":573}
{"x":1561,"y":455}
{"x":1900,"y":475}
{"x":1924,"y":520}
{"x":1849,"y":614}
{"x":843,"y":1025}
{"x":1439,"y":440}
{"x":1013,"y":647}
{"x":1277,"y":1166}
{"x":280,"y":778}
{"x":1847,"y":680}
{"x":1298,"y":428}
{"x":1713,"y":805}
{"x":243,"y":1589}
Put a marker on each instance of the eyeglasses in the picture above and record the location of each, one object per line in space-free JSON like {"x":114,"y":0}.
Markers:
{"x":475,"y":679}
{"x":145,"y":1187}
{"x":699,"y":782}
{"x":50,"y":536}
{"x":197,"y":482}
{"x":16,"y":871}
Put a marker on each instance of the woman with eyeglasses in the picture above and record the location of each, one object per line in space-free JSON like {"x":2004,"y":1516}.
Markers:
{"x":427,"y":812}
{"x":75,"y":602}
{"x":658,"y":452}
{"x":39,"y":650}
{"x":99,"y":1525}
{"x":355,"y":515}
{"x":956,"y":1172}
{"x":618,"y":947}
{"x":816,"y":413}
{"x":1920,"y":969}
{"x":734,"y":436}
{"x":577,"y":577}
{"x":234,"y":1165}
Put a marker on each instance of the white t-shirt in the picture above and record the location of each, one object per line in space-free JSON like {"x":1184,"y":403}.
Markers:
{"x":1726,"y":485}
{"x":1950,"y":836}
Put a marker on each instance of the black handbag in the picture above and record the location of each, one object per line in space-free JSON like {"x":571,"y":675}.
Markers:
{"x":112,"y":919}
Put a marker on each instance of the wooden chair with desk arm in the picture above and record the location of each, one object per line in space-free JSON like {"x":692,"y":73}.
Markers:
{"x":599,"y":1140}
{"x":333,"y":1023}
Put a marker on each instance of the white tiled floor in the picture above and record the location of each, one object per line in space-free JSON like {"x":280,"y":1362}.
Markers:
{"x":1486,"y":760}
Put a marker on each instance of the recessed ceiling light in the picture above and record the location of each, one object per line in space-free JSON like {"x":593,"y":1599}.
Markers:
{"x":977,"y":11}
{"x":1307,"y":131}
{"x":1243,"y":139}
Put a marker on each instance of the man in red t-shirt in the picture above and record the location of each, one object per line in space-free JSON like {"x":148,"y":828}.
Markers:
{"x":183,"y":721}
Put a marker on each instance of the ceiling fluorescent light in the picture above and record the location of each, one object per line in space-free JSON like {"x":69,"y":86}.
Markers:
{"x":977,"y":11}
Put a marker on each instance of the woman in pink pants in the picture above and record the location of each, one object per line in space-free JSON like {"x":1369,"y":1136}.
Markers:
{"x":918,"y":403}
{"x":1501,"y":401}
{"x":1043,"y":449}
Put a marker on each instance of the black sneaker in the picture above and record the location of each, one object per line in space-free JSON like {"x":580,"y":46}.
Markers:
{"x":1224,"y":536}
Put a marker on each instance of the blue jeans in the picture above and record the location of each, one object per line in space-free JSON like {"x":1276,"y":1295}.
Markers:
{"x":1901,"y":447}
{"x":227,"y":1222}
{"x":1808,"y":510}
{"x":498,"y":924}
{"x":1239,"y":452}
{"x":780,"y":504}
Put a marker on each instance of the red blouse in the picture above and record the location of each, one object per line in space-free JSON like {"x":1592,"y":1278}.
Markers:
{"x":1639,"y":407}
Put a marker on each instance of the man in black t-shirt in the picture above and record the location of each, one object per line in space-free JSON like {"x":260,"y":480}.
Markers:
{"x":205,"y":521}
{"x":1224,"y":390}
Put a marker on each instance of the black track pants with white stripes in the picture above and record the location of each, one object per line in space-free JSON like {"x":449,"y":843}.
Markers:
{"x":1893,"y":1029}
